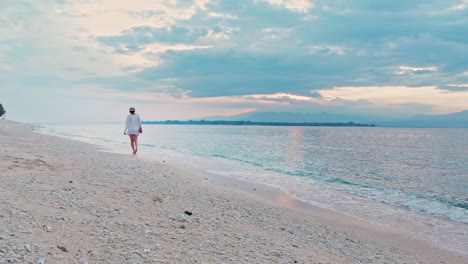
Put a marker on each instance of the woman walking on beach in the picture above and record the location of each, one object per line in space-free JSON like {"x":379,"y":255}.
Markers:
{"x":133,"y":129}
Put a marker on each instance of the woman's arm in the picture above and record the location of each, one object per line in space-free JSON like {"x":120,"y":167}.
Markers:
{"x":127,"y":124}
{"x":139,"y":122}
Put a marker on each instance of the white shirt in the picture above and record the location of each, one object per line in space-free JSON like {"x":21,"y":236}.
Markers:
{"x":133,"y":124}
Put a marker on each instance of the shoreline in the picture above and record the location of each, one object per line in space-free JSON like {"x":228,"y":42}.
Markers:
{"x":323,"y":236}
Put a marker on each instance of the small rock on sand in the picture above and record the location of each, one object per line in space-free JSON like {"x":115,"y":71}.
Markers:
{"x":63,"y":248}
{"x":180,"y":218}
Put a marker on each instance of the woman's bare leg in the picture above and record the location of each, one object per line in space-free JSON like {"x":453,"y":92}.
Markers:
{"x":132,"y":143}
{"x":136,"y":144}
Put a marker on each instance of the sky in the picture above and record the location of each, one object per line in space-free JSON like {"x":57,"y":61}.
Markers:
{"x":89,"y":61}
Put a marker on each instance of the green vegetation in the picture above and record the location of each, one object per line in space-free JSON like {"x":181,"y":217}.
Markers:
{"x":2,"y":110}
{"x":250,"y":123}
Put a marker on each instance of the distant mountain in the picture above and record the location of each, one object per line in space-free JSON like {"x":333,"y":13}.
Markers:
{"x":291,"y":117}
{"x":251,"y":123}
{"x":454,"y":120}
{"x":226,"y":118}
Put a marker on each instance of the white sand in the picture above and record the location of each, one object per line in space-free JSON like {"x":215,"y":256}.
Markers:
{"x":63,"y":201}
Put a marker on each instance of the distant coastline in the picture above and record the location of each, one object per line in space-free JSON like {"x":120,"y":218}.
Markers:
{"x":252,"y":123}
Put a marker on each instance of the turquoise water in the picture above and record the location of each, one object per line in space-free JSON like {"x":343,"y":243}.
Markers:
{"x":378,"y":172}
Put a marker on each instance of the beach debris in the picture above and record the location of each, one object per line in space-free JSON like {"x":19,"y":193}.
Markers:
{"x":70,"y":181}
{"x":151,"y":232}
{"x":157,"y":199}
{"x":58,"y":256}
{"x":27,"y":247}
{"x":188,"y":213}
{"x":41,"y":261}
{"x":182,"y":226}
{"x":48,"y":228}
{"x":147,"y":250}
{"x":63,"y":248}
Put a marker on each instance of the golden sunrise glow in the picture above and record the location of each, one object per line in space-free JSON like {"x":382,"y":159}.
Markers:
{"x":442,"y":100}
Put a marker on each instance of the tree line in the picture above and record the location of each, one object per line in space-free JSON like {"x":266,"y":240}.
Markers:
{"x":2,"y":110}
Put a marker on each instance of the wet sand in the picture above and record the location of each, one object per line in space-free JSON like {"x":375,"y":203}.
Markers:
{"x":64,"y":201}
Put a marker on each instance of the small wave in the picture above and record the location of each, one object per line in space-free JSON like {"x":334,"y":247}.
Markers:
{"x":148,"y":145}
{"x":79,"y":137}
{"x":316,"y":176}
{"x":431,"y":205}
{"x":461,"y":205}
{"x":239,"y":160}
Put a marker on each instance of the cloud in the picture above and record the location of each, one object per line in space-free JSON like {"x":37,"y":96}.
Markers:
{"x":415,"y":70}
{"x":214,"y":72}
{"x":454,"y":87}
{"x":301,"y":6}
{"x":146,"y":35}
{"x":222,"y":15}
{"x":253,"y":54}
{"x":461,"y":6}
{"x":458,"y":85}
{"x":442,"y":101}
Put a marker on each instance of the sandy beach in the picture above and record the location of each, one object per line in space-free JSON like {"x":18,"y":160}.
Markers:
{"x":63,"y":201}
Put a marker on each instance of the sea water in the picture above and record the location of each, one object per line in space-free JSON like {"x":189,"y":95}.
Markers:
{"x":413,"y":180}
